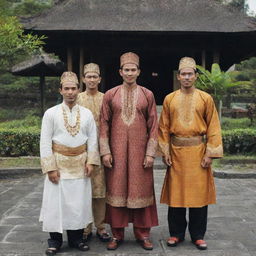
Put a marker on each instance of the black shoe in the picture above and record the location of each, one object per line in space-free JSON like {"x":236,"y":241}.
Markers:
{"x":51,"y":251}
{"x":104,"y":236}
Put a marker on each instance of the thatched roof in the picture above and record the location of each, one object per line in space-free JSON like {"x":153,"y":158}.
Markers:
{"x":144,"y":15}
{"x":39,"y":65}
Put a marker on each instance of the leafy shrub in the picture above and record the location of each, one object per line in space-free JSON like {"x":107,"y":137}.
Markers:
{"x":239,"y":141}
{"x":19,"y":142}
{"x":29,"y":121}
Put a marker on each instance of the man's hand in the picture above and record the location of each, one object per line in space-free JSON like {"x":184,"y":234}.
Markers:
{"x":206,"y":162}
{"x":148,"y":161}
{"x":88,"y":170}
{"x":167,"y":160}
{"x":107,"y":160}
{"x":54,"y":176}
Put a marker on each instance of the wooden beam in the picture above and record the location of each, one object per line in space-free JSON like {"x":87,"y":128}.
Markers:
{"x":81,"y":67}
{"x":70,"y":59}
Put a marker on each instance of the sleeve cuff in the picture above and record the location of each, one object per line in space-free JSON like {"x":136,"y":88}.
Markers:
{"x":104,"y":146}
{"x":93,"y":158}
{"x":151,"y":147}
{"x":214,"y":152}
{"x":48,"y":164}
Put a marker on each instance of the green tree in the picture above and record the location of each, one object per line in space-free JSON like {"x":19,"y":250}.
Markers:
{"x":15,"y":44}
{"x":217,"y":83}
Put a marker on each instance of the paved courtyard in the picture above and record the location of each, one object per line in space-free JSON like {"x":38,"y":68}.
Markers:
{"x":231,"y":225}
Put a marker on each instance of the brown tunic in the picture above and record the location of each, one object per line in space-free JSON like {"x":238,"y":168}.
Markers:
{"x":93,"y":103}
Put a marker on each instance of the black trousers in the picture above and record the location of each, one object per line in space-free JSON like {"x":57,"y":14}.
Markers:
{"x":74,"y":238}
{"x":197,"y":222}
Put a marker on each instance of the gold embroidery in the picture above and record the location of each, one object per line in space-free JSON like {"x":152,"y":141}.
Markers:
{"x":98,"y":182}
{"x":71,"y":167}
{"x":129,"y":97}
{"x":151,"y":147}
{"x":48,"y":164}
{"x":119,"y":201}
{"x":93,"y":158}
{"x":212,"y":151}
{"x":164,"y":148}
{"x":92,"y":102}
{"x":186,"y":108}
{"x":104,"y":146}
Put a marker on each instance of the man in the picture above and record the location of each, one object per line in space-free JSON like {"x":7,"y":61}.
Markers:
{"x":189,"y":137}
{"x":128,"y":141}
{"x":91,"y":98}
{"x":68,"y":149}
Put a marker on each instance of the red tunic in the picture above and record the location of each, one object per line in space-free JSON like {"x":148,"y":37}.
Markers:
{"x":128,"y":130}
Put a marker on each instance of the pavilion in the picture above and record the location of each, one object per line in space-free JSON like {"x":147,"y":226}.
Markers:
{"x":160,"y":32}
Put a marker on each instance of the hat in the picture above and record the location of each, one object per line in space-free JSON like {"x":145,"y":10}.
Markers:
{"x":91,"y":67}
{"x":187,"y":62}
{"x":68,"y":76}
{"x":129,"y":57}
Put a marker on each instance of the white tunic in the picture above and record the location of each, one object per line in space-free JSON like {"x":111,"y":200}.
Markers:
{"x":67,"y":205}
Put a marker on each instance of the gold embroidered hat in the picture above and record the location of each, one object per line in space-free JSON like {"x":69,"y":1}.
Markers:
{"x":92,"y":67}
{"x":68,"y":76}
{"x":129,"y":58}
{"x":187,"y":62}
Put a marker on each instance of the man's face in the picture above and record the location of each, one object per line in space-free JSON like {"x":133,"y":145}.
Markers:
{"x":91,"y":80}
{"x":129,"y":73}
{"x":69,"y":91}
{"x":187,"y":77}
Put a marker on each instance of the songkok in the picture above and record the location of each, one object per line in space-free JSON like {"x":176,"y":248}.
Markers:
{"x":129,"y":58}
{"x":68,"y":76}
{"x":187,"y":62}
{"x":91,"y":67}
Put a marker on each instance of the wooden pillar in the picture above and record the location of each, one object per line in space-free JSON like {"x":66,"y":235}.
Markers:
{"x":70,"y":59}
{"x":216,"y":57}
{"x":203,"y":59}
{"x":81,"y":67}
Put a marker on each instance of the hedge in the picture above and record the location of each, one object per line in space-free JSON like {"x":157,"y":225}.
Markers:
{"x":25,"y":142}
{"x":19,"y":142}
{"x":239,"y":141}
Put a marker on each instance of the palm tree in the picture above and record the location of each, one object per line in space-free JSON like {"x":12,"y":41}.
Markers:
{"x":216,"y":83}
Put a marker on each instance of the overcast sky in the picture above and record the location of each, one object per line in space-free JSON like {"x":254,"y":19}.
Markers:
{"x":252,"y":5}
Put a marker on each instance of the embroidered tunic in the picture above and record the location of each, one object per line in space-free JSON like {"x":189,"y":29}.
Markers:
{"x":67,"y":205}
{"x":128,"y":130}
{"x":186,"y":183}
{"x":93,"y":103}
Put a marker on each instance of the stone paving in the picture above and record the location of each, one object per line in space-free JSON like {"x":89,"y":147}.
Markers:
{"x":231,"y":223}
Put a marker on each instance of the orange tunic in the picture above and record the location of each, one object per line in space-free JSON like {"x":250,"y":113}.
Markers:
{"x":186,"y":183}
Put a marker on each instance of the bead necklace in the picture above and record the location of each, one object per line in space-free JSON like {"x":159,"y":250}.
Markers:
{"x":73,"y":130}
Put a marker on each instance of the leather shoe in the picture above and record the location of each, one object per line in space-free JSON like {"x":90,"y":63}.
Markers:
{"x":200,"y":244}
{"x":145,"y":243}
{"x":103,"y":236}
{"x":173,"y":241}
{"x":114,"y":244}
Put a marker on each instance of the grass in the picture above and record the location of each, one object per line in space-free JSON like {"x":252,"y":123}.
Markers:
{"x":11,"y":162}
{"x":236,"y":162}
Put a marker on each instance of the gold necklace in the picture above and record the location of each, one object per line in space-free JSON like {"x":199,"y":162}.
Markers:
{"x":73,"y":130}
